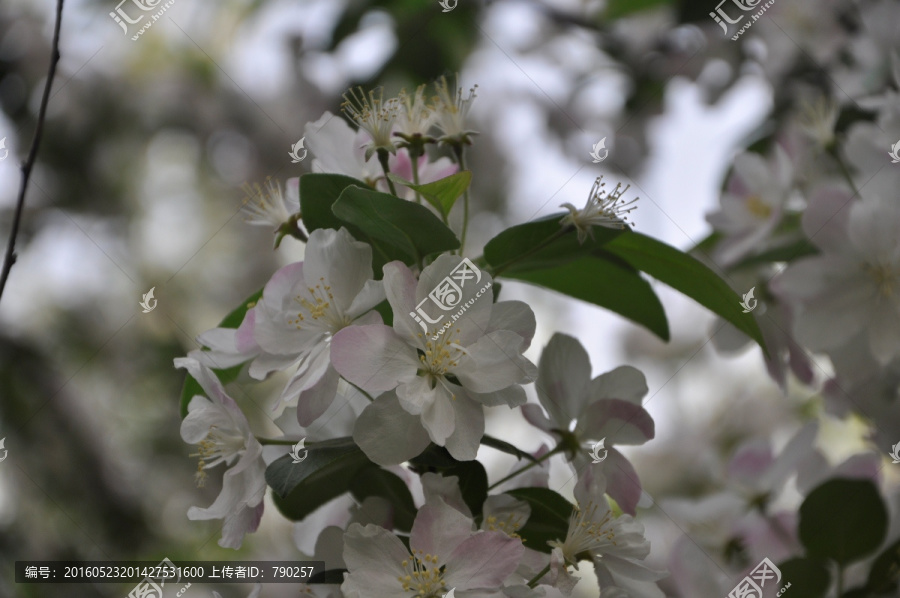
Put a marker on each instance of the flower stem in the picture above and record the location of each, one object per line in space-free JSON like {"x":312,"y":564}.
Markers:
{"x":383,"y":159}
{"x":459,"y":151}
{"x":534,"y":580}
{"x":364,"y":393}
{"x":538,"y":461}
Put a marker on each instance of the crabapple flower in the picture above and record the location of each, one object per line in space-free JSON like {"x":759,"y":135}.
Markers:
{"x":338,"y":149}
{"x":602,"y":209}
{"x":452,"y":111}
{"x":221,"y":432}
{"x":303,"y":306}
{"x":752,"y":205}
{"x":441,"y":374}
{"x":582,"y":410}
{"x":416,"y":117}
{"x":853,"y":287}
{"x":446,"y":553}
{"x":616,"y":545}
{"x":373,"y":115}
{"x":270,"y":205}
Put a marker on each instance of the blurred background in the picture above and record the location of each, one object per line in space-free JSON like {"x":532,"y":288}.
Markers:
{"x":138,"y":185}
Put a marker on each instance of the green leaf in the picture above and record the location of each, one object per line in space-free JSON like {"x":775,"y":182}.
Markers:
{"x":318,"y":192}
{"x":506,"y":447}
{"x":687,"y":275}
{"x":787,"y":252}
{"x":810,"y":574}
{"x":434,"y":459}
{"x":885,"y":572}
{"x":609,"y":283}
{"x":541,"y":244}
{"x":301,"y":488}
{"x":616,"y":9}
{"x":408,"y":226}
{"x":549,"y":518}
{"x":843,"y":520}
{"x":443,"y":193}
{"x":473,"y":483}
{"x":374,"y":481}
{"x":191,"y":387}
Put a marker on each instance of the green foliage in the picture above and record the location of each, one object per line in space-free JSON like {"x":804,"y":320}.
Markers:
{"x":843,"y":520}
{"x":473,"y":482}
{"x":885,"y":572}
{"x":810,"y":574}
{"x":549,"y":519}
{"x":374,"y":481}
{"x":443,"y":193}
{"x":327,"y":471}
{"x":191,"y":387}
{"x":406,"y":226}
{"x":616,"y":9}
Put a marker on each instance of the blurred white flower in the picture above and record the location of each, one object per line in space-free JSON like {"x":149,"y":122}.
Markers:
{"x":452,"y":111}
{"x":416,"y":117}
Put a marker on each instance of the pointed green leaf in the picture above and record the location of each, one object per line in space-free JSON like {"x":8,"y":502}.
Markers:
{"x":506,"y":447}
{"x":549,"y":519}
{"x":443,"y":193}
{"x":810,"y":574}
{"x":374,"y":481}
{"x":843,"y":520}
{"x":687,"y":275}
{"x":405,"y":225}
{"x":301,"y":488}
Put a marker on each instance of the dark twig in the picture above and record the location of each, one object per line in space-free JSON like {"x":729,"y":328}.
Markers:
{"x":10,"y":258}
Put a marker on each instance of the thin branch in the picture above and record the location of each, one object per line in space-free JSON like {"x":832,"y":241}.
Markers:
{"x":10,"y":258}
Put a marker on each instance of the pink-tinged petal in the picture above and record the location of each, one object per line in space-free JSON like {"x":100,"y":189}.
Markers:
{"x":282,"y":283}
{"x":400,"y":290}
{"x":438,"y":415}
{"x":373,"y":357}
{"x":564,"y":371}
{"x":439,"y":529}
{"x":371,"y":295}
{"x":468,"y":429}
{"x":243,"y":339}
{"x":202,"y":415}
{"x":622,"y":481}
{"x":624,"y":382}
{"x":751,"y":460}
{"x":615,"y":585}
{"x":275,"y":333}
{"x":511,"y":396}
{"x":620,"y":422}
{"x":534,"y":415}
{"x":872,"y":228}
{"x":694,"y":572}
{"x":791,"y":456}
{"x":825,"y":218}
{"x":315,"y":401}
{"x":632,"y":570}
{"x":337,"y":260}
{"x":416,"y":395}
{"x":590,"y":487}
{"x":450,"y":288}
{"x":559,"y":576}
{"x":884,"y":331}
{"x":266,"y":363}
{"x":374,"y":556}
{"x":436,"y":486}
{"x":387,"y":434}
{"x":515,"y":316}
{"x":242,"y":485}
{"x":505,"y":508}
{"x":208,"y":382}
{"x":312,"y":368}
{"x":495,"y":362}
{"x":441,"y":168}
{"x":244,"y":521}
{"x":483,"y":561}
